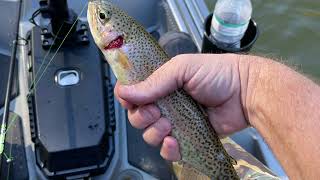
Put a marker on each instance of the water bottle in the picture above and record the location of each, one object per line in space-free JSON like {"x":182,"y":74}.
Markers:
{"x":229,"y":22}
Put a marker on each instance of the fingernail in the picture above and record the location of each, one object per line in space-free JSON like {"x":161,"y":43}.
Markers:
{"x":170,"y":143}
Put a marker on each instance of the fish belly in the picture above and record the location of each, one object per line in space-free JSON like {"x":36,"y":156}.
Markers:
{"x":200,"y":147}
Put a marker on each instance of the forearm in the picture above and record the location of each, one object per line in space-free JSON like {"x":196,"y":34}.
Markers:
{"x":285,"y":108}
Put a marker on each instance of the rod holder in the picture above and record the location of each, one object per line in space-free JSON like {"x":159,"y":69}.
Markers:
{"x":62,"y":22}
{"x":62,"y":18}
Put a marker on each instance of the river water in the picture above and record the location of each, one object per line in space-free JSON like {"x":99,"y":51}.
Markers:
{"x":290,"y":32}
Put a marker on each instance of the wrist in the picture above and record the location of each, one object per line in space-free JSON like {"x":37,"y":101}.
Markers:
{"x":249,"y":75}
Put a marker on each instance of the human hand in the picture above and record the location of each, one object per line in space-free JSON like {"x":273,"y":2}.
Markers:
{"x":212,"y":80}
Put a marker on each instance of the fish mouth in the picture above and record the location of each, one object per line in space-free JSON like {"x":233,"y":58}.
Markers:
{"x":115,"y":44}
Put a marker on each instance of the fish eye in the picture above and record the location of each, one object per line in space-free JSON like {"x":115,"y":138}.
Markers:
{"x":102,"y":16}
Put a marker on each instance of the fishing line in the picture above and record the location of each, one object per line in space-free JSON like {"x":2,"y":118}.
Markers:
{"x":24,"y":41}
{"x":9,"y":159}
{"x":56,"y":52}
{"x":45,"y":57}
{"x":12,"y":121}
{"x":35,"y":83}
{"x":34,"y":15}
{"x":6,"y":111}
{"x":6,"y":156}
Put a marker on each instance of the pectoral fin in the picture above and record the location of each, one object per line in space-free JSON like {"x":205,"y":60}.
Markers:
{"x":124,"y":61}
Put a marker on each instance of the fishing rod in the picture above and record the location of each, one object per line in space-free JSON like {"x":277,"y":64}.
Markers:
{"x":6,"y":110}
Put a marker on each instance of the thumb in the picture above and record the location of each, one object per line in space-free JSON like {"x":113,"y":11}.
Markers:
{"x":161,"y":83}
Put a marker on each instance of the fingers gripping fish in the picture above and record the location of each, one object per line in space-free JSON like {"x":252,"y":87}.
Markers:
{"x":134,"y":55}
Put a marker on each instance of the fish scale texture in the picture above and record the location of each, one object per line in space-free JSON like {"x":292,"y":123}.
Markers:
{"x":134,"y":62}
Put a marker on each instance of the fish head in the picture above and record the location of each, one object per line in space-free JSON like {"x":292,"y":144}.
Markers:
{"x":132,"y":53}
{"x":109,"y":25}
{"x":111,"y":29}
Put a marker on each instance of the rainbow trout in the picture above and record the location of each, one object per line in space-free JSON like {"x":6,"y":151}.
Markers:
{"x":133,"y":55}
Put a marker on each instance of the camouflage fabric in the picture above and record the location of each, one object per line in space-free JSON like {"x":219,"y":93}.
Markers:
{"x":247,"y":167}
